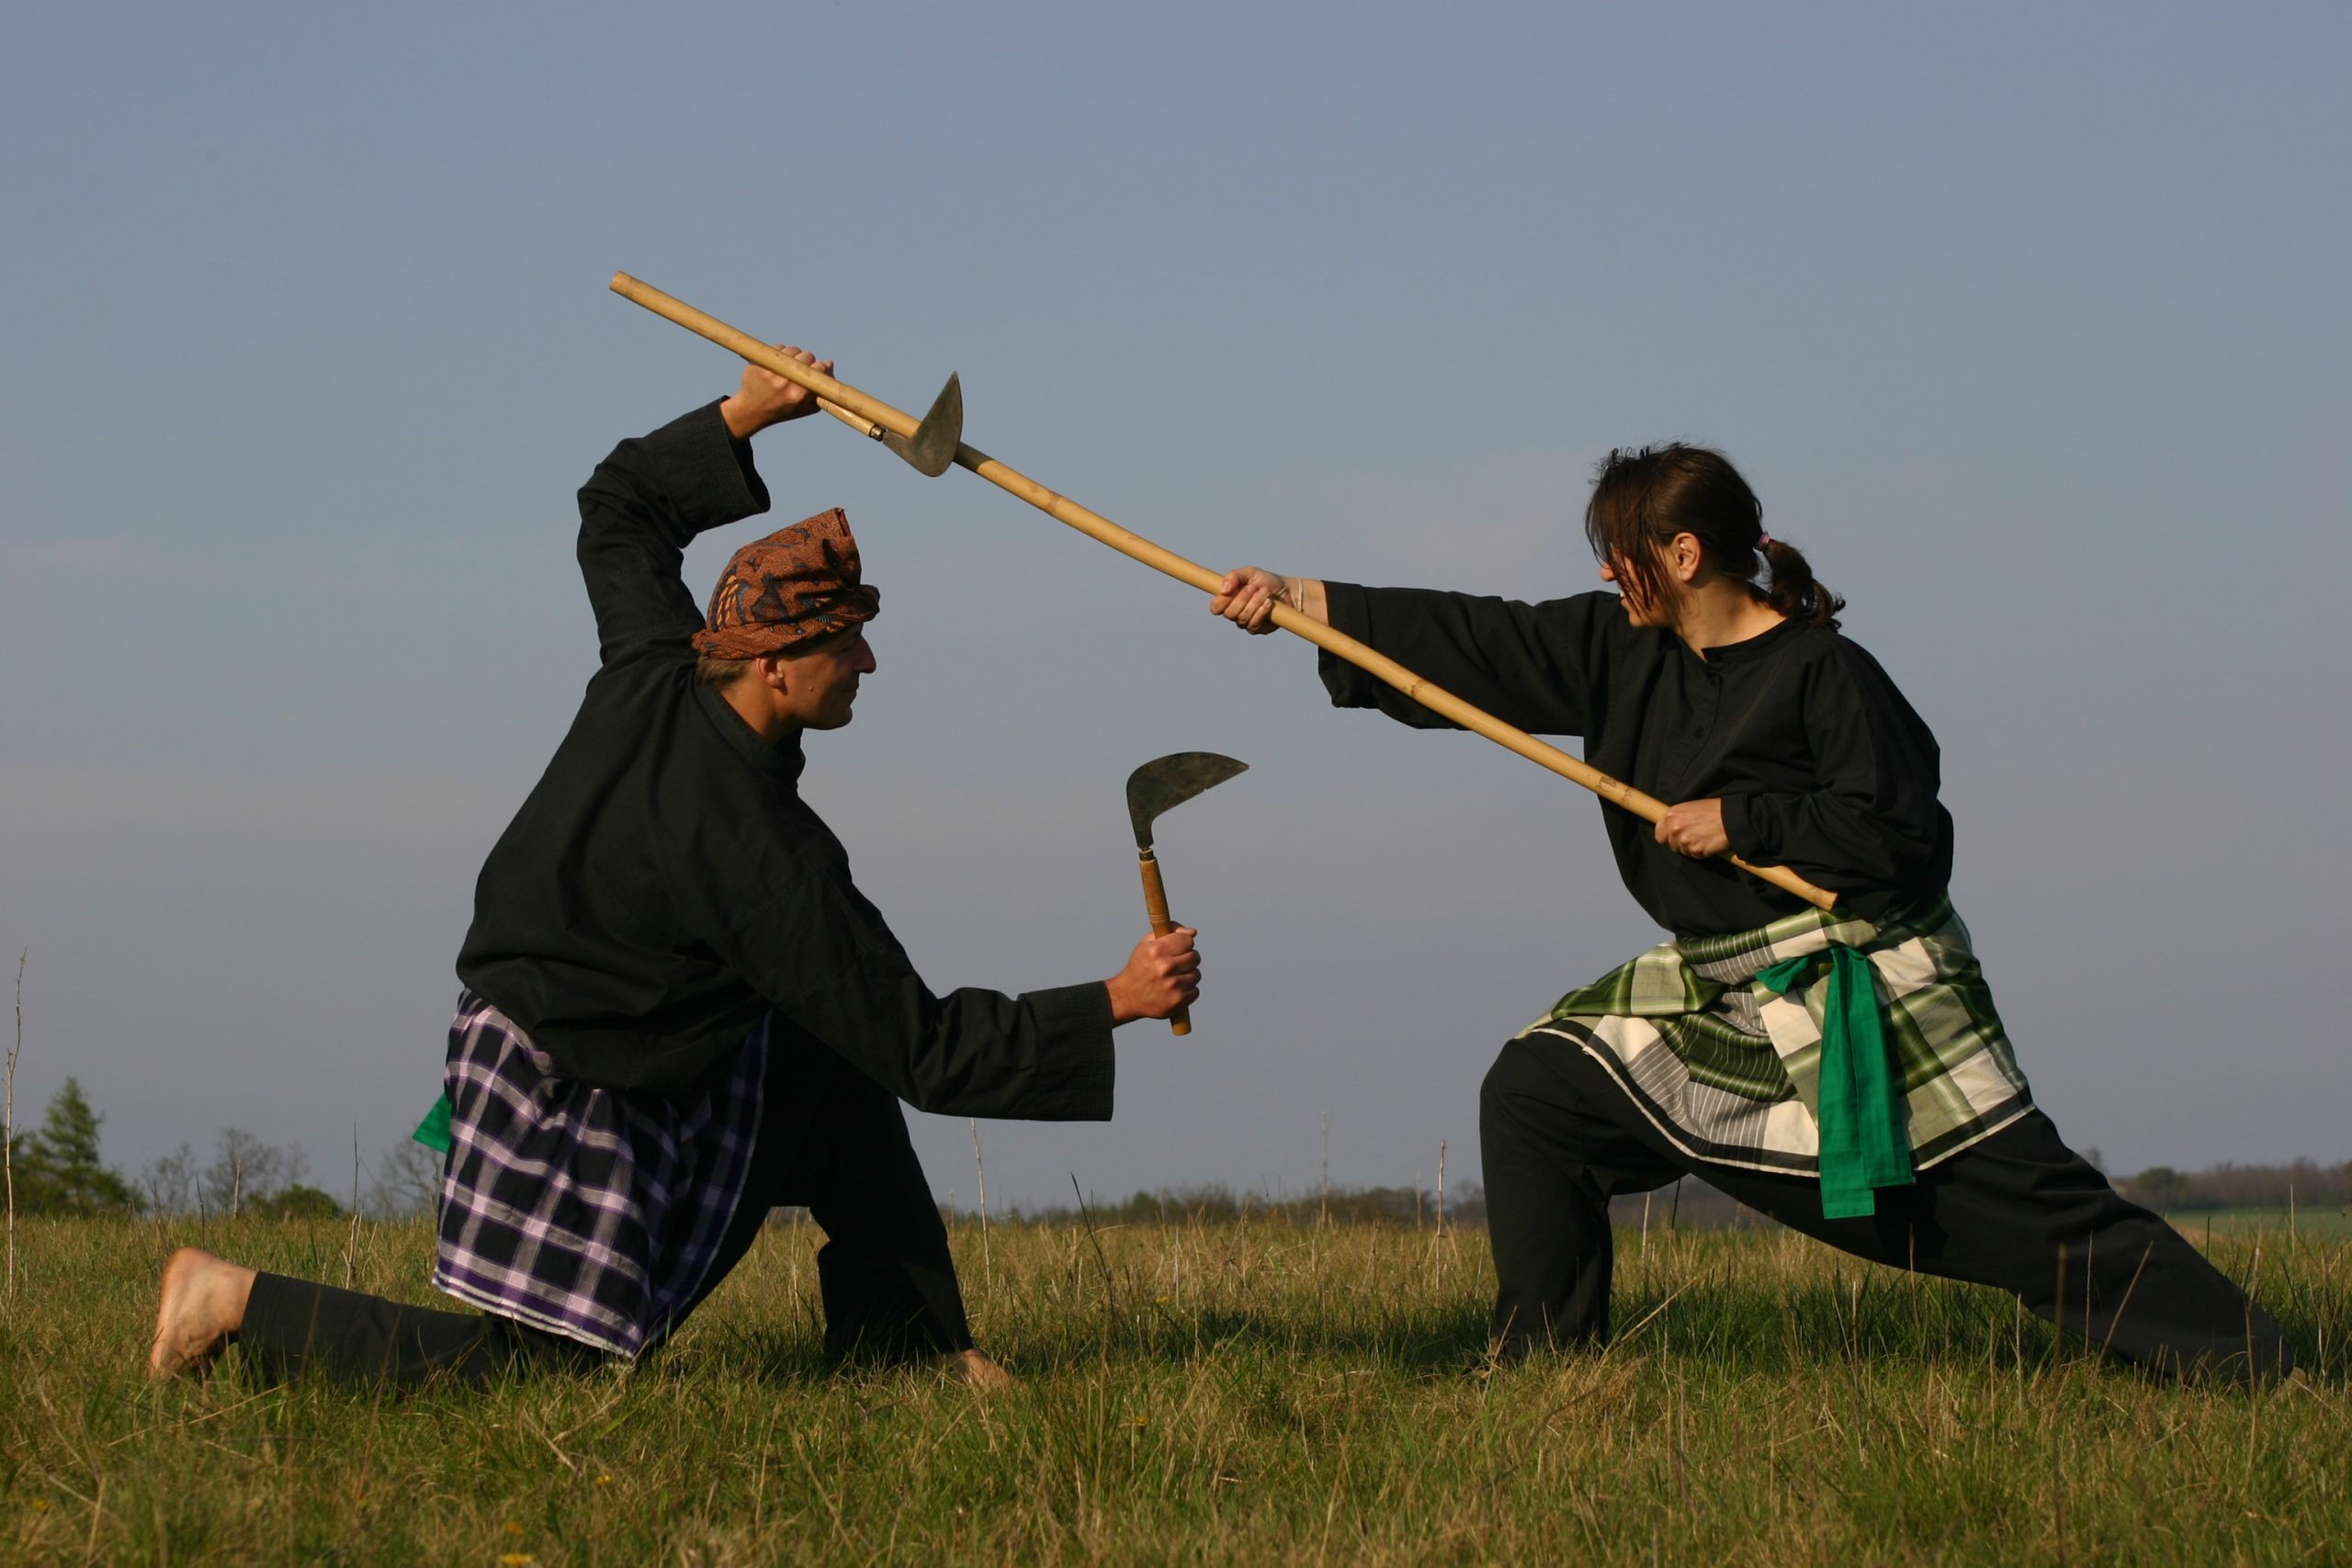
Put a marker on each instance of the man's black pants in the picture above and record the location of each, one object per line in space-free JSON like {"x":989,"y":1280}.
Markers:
{"x":2019,"y":1211}
{"x":830,"y":1138}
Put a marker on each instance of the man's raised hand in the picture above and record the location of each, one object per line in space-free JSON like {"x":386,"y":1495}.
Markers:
{"x":765,"y":398}
{"x":1162,"y":974}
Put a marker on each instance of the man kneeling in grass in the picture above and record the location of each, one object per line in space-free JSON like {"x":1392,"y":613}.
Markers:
{"x":679,"y":1011}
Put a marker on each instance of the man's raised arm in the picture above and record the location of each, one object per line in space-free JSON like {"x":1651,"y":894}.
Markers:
{"x":648,"y":500}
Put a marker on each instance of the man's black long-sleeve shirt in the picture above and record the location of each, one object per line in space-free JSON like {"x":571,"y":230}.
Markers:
{"x":665,"y":884}
{"x":1821,"y":764}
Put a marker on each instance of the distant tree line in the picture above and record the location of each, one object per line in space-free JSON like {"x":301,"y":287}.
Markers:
{"x":1688,"y":1204}
{"x":245,"y":1176}
{"x":1221,"y":1205}
{"x":57,"y":1170}
{"x":2304,"y":1183}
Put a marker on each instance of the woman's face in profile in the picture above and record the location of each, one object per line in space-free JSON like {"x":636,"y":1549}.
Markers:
{"x":1639,"y":609}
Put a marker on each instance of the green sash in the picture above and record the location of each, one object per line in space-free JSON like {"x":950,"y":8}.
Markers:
{"x":1858,"y":1109}
{"x":434,"y":1131}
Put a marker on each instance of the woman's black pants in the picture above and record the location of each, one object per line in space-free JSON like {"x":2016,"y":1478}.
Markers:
{"x":830,"y":1139}
{"x":2019,"y":1211}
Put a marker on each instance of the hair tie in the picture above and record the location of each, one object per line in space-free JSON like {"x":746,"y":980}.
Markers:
{"x":1763,"y":542}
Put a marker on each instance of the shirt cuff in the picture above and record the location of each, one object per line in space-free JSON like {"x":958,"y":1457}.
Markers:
{"x":1745,"y":834}
{"x":1076,"y":1070}
{"x":1347,"y":609}
{"x":708,"y":474}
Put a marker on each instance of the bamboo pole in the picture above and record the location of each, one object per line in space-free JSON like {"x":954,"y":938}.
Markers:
{"x":1096,"y":527}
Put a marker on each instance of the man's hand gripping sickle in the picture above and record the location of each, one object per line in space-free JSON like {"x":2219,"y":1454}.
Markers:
{"x":1163,"y":974}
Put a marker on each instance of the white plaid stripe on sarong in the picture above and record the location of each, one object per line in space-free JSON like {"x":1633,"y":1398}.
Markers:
{"x":589,"y":1213}
{"x":1728,"y":1071}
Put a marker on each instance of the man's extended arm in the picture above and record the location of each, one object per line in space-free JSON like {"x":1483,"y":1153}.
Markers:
{"x":818,"y":951}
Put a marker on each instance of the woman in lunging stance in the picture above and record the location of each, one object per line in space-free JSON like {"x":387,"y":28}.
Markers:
{"x":1842,"y":1072}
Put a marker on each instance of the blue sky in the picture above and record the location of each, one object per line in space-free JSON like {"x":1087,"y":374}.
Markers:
{"x":2027,"y":322}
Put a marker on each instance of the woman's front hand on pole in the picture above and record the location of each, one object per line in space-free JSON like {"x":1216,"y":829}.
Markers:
{"x":1248,"y":597}
{"x":1695,"y":828}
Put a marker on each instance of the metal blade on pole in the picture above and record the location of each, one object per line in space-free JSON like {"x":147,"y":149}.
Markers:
{"x":1136,"y":547}
{"x":930,"y":450}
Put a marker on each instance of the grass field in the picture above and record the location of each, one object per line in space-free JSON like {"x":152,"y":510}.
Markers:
{"x":1254,"y":1392}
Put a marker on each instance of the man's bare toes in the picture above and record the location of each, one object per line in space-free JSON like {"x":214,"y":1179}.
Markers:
{"x":975,"y":1368}
{"x":203,"y":1304}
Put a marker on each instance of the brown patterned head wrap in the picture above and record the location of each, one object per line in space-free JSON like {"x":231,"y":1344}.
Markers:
{"x":795,"y":586}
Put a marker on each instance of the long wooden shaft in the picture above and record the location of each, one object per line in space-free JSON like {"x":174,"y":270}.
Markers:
{"x":1095,"y":525}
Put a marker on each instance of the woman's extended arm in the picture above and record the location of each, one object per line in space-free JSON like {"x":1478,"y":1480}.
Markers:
{"x":1533,"y":666}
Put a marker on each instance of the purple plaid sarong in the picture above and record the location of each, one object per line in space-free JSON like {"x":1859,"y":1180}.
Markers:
{"x":592,"y":1214}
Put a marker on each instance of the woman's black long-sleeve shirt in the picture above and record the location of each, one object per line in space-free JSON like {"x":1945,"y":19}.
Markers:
{"x":1821,"y":764}
{"x":664,"y":885}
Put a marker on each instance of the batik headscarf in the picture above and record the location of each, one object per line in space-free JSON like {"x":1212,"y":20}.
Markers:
{"x":795,"y":586}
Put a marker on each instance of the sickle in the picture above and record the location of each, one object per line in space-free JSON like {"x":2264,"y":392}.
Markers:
{"x":1161,"y":784}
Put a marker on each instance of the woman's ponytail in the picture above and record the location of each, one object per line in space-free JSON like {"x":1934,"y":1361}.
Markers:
{"x":1792,"y":589}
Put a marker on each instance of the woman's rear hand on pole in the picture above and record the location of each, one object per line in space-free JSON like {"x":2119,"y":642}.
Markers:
{"x":1695,"y":828}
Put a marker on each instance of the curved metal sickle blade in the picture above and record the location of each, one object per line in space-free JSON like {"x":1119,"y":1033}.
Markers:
{"x":1170,"y":781}
{"x":930,"y":450}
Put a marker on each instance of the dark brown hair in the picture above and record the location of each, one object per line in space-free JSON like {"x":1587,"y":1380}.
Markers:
{"x":1642,"y":497}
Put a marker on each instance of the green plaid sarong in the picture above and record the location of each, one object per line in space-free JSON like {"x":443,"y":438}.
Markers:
{"x":1730,"y":1071}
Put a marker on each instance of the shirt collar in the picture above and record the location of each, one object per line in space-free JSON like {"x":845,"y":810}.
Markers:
{"x":782,"y":759}
{"x":1758,"y":647}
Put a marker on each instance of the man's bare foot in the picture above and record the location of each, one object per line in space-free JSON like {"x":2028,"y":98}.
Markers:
{"x":976,"y":1369}
{"x":204,"y":1302}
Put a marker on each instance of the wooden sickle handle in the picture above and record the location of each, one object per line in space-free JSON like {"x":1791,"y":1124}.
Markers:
{"x":1155,"y":904}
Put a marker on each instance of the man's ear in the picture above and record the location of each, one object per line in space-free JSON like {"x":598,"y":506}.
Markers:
{"x":773,"y":672}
